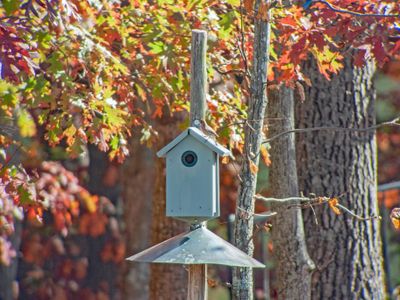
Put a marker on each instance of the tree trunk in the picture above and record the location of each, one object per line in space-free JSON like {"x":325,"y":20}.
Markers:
{"x":293,"y":266}
{"x":168,"y":281}
{"x":137,"y":182}
{"x":347,"y":251}
{"x":243,"y":277}
{"x":103,"y":181}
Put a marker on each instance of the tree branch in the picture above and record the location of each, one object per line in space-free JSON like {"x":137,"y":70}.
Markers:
{"x":332,"y":128}
{"x":306,"y":202}
{"x":354,"y":13}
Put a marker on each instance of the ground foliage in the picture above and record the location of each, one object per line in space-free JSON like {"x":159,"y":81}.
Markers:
{"x":79,"y":72}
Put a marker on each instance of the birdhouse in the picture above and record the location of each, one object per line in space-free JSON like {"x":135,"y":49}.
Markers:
{"x":193,"y":176}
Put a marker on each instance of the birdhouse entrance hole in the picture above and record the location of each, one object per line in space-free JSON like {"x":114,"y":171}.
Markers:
{"x":189,"y":158}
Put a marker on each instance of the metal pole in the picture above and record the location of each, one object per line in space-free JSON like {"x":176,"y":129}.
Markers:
{"x":197,"y":283}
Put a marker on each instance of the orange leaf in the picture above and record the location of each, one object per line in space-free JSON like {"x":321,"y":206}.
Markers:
{"x":395,"y":217}
{"x":263,"y":12}
{"x":265,"y":155}
{"x":333,"y":203}
{"x":225,"y":160}
{"x":248,"y":5}
{"x":253,"y":167}
{"x":211,"y":282}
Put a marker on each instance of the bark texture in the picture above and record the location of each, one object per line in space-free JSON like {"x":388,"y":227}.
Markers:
{"x":293,"y":266}
{"x":347,"y":251}
{"x":168,"y":282}
{"x":243,"y":277}
{"x":138,"y":184}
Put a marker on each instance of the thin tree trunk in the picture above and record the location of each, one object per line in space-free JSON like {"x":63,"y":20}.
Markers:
{"x":243,"y":277}
{"x":293,"y":266}
{"x":168,"y":282}
{"x":347,"y":251}
{"x":137,"y":182}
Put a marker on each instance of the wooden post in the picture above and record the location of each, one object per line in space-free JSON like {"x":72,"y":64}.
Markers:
{"x":197,"y":283}
{"x":197,"y":289}
{"x":198,"y":77}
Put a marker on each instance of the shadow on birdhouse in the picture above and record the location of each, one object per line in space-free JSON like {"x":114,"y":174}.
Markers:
{"x":193,"y":176}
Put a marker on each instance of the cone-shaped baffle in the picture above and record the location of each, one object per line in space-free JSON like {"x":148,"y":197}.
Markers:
{"x":198,"y":246}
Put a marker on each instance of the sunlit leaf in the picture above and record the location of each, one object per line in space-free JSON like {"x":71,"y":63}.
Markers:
{"x":26,"y":124}
{"x":395,"y":217}
{"x":333,"y":204}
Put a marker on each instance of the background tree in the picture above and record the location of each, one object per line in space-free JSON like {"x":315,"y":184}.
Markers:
{"x":347,"y":251}
{"x":294,"y":266}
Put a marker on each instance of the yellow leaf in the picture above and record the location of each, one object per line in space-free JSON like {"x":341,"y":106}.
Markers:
{"x":253,"y":167}
{"x":26,"y":124}
{"x":225,"y":160}
{"x":333,"y":203}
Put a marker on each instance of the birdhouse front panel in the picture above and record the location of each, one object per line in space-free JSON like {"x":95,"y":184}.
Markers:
{"x":192,"y":181}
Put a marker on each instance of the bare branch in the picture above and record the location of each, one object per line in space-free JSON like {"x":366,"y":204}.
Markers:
{"x":242,"y":49}
{"x":354,"y":13}
{"x":357,"y":216}
{"x":332,"y":128}
{"x":290,"y":201}
{"x":310,"y":202}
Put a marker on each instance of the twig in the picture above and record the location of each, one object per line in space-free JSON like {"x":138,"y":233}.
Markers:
{"x":315,"y":215}
{"x":242,"y":40}
{"x":248,"y":214}
{"x":309,"y":202}
{"x":221,"y":72}
{"x":357,"y":216}
{"x":300,"y":130}
{"x":290,"y":201}
{"x":354,"y":13}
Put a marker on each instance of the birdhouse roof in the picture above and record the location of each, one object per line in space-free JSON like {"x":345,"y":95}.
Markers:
{"x":200,"y":137}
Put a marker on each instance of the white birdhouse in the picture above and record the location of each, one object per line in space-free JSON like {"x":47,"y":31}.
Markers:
{"x":193,"y":176}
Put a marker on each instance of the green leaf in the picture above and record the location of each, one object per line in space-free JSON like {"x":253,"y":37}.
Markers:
{"x":10,"y":6}
{"x":114,"y":142}
{"x":156,"y":47}
{"x":25,"y":196}
{"x":8,"y":94}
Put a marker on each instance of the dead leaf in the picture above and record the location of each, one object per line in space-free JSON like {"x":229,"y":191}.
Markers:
{"x":395,"y":217}
{"x":333,"y":203}
{"x":253,"y":168}
{"x":265,"y":155}
{"x":211,"y":282}
{"x":225,"y":160}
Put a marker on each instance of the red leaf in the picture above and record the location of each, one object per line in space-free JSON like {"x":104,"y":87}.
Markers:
{"x":288,"y":21}
{"x":318,"y":40}
{"x":359,"y":58}
{"x":379,"y":51}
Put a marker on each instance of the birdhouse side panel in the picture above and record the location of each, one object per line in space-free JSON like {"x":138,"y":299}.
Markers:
{"x":192,"y":180}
